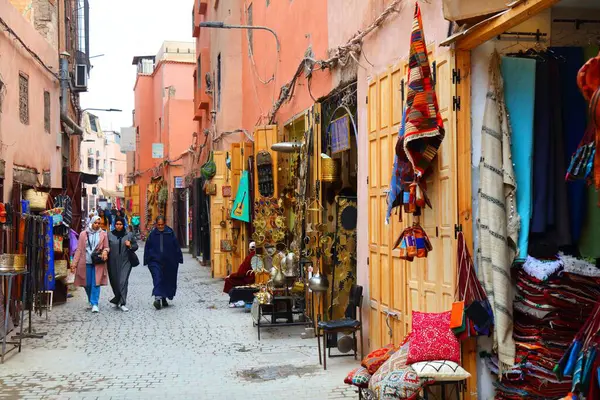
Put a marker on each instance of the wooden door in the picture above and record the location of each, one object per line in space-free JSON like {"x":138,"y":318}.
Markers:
{"x":397,"y":287}
{"x":218,"y":209}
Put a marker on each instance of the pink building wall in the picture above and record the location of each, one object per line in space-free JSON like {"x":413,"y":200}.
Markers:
{"x":28,"y":145}
{"x":163,"y":116}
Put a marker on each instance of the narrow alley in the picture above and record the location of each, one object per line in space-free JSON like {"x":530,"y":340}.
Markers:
{"x":198,"y":348}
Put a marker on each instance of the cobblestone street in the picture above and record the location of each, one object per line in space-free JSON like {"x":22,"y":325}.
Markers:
{"x":196,"y":349}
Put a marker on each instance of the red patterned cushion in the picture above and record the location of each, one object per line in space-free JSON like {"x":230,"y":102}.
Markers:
{"x":361,"y":378}
{"x":376,"y":358}
{"x":348,"y":378}
{"x":432,"y":339}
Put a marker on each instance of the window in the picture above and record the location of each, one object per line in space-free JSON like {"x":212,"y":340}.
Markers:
{"x":111,"y":166}
{"x":268,"y":2}
{"x":198,"y":73}
{"x":121,"y":178}
{"x":93,"y":123}
{"x":104,"y":163}
{"x":90,"y":163}
{"x":24,"y":98}
{"x":97,"y":165}
{"x":47,"y":111}
{"x":250,"y":31}
{"x":219,"y":82}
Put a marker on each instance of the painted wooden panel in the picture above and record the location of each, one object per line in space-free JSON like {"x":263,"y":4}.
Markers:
{"x":220,"y":262}
{"x":397,"y":287}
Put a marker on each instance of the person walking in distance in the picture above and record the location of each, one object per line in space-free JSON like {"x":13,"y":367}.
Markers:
{"x":89,"y":262}
{"x":122,"y":245}
{"x":162,"y":255}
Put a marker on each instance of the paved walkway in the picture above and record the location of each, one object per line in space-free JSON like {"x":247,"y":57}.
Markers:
{"x":196,"y":349}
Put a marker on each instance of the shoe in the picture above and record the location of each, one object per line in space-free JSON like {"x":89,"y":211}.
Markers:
{"x":164,"y":303}
{"x":157,"y":304}
{"x":124,"y":309}
{"x":95,"y":309}
{"x":88,"y":307}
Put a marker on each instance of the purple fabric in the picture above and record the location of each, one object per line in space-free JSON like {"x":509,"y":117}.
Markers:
{"x":73,"y":239}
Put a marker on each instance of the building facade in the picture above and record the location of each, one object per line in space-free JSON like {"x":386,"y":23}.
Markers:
{"x":101,"y":155}
{"x":164,"y":127}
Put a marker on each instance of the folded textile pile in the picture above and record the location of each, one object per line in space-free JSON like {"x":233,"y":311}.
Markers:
{"x":547,"y":315}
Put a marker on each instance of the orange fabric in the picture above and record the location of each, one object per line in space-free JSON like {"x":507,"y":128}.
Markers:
{"x":376,"y":358}
{"x":457,"y":314}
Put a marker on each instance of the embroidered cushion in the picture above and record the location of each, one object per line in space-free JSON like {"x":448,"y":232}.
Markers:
{"x":348,"y":378}
{"x":361,"y":378}
{"x":376,"y":358}
{"x":432,"y":339}
{"x":440,"y":371}
{"x":395,"y":362}
{"x":401,"y":383}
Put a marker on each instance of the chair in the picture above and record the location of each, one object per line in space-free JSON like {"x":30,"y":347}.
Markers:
{"x":349,"y":323}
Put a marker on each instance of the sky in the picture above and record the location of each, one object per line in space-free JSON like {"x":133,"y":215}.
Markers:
{"x":122,"y":29}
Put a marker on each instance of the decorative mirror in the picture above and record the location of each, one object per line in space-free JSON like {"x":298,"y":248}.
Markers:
{"x":264,"y":167}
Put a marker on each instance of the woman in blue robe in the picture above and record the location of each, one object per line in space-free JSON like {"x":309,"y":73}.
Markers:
{"x":162,"y":255}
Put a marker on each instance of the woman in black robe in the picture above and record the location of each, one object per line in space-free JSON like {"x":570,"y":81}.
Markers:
{"x":121,"y":243}
{"x":162,"y":255}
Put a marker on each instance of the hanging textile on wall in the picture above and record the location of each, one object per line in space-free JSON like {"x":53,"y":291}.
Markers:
{"x":498,"y":222}
{"x":519,"y":92}
{"x":241,"y":205}
{"x":49,"y":253}
{"x":420,"y":135}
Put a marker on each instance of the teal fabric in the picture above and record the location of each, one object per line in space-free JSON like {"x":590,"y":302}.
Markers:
{"x":242,"y":200}
{"x":519,"y":94}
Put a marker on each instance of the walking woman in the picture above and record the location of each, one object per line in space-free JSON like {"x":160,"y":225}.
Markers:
{"x":122,"y":244}
{"x":89,"y":262}
{"x":104,"y":220}
{"x":162,"y":255}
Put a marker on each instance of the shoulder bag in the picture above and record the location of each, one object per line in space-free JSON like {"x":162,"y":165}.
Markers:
{"x":133,"y":258}
{"x":96,"y":255}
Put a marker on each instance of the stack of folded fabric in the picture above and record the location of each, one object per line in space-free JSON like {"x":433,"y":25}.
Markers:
{"x":553,"y":302}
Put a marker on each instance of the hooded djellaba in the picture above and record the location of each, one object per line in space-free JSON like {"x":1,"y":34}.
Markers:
{"x":122,"y":244}
{"x":163,"y":255}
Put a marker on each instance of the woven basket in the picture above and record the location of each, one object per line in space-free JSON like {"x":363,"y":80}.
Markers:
{"x":60,"y":269}
{"x":19,"y":262}
{"x":7,"y":262}
{"x":37,"y":200}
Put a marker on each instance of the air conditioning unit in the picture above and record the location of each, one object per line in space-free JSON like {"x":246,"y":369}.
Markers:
{"x":81,"y":76}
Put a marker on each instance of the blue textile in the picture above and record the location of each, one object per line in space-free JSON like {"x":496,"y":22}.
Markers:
{"x":574,"y":124}
{"x":395,"y":196}
{"x":519,"y":92}
{"x":163,"y":255}
{"x":50,"y":282}
{"x":91,"y":289}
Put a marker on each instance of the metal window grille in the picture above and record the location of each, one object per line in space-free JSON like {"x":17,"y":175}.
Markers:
{"x":250,"y":32}
{"x":47,"y":111}
{"x":24,"y":98}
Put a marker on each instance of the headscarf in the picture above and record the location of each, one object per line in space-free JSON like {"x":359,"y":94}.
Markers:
{"x":122,"y":232}
{"x":92,"y":235}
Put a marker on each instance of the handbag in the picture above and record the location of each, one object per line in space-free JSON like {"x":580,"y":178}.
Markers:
{"x":209,"y":169}
{"x":133,"y":258}
{"x":96,"y":255}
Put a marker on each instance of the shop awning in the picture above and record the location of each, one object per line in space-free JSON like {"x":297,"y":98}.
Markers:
{"x":89,"y":179}
{"x":112,"y":193}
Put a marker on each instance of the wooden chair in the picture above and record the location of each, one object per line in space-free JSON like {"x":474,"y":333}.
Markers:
{"x":351,"y":323}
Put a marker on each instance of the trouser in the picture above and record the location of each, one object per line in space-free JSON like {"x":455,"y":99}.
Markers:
{"x":91,"y":289}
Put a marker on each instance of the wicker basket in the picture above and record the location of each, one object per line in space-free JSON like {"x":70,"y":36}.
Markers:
{"x":60,"y":269}
{"x":7,"y":262}
{"x":19,"y":263}
{"x":330,"y":170}
{"x":37,"y":200}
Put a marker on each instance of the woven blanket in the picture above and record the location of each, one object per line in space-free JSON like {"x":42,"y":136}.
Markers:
{"x":424,"y":128}
{"x":498,"y":221}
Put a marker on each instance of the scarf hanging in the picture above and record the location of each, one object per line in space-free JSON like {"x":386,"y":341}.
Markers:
{"x":498,"y":222}
{"x":50,"y":283}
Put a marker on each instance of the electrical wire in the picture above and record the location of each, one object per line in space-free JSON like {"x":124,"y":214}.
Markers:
{"x":31,"y":52}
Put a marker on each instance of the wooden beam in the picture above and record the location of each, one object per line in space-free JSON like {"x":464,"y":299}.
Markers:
{"x":465,"y":218}
{"x":511,"y":18}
